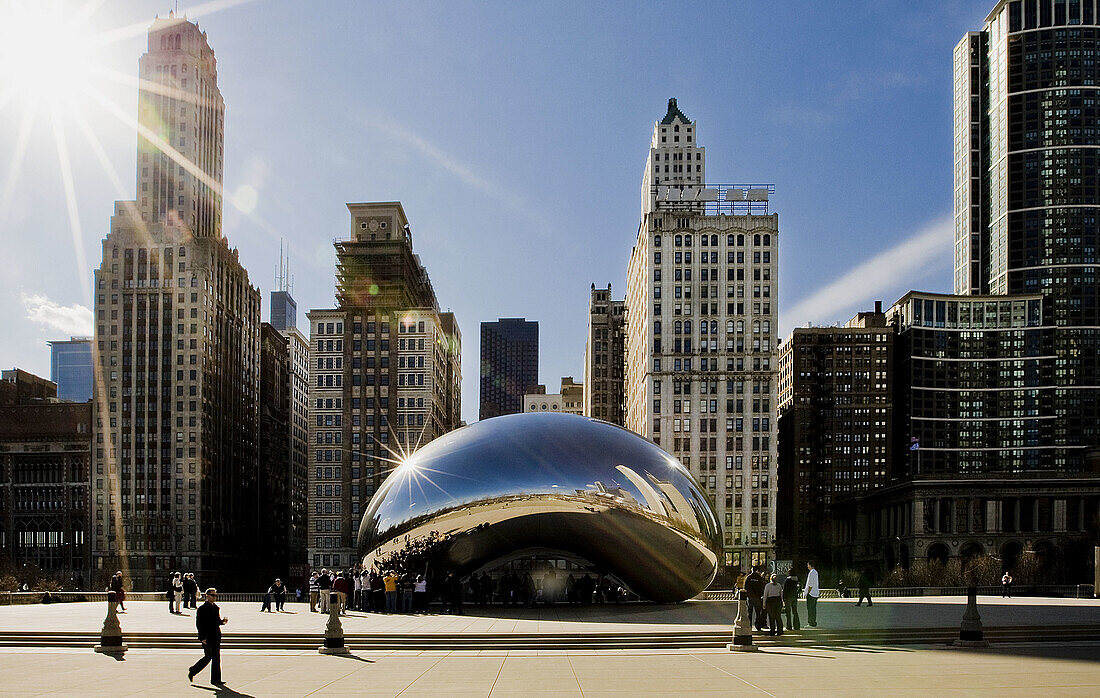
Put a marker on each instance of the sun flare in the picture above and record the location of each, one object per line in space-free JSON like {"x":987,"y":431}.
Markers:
{"x":44,"y":54}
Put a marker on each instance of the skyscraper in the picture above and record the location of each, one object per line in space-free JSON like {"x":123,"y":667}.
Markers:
{"x":701,"y":333}
{"x":605,"y":357}
{"x":835,"y":427}
{"x":509,"y":365}
{"x":177,"y":343}
{"x":1026,"y":194}
{"x":71,"y":368}
{"x":385,"y":376}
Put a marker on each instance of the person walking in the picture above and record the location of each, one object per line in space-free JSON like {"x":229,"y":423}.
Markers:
{"x":865,"y":581}
{"x":812,"y":591}
{"x":170,"y":593}
{"x":773,"y":605}
{"x":790,"y":600}
{"x":209,"y":623}
{"x":314,"y":592}
{"x":1006,"y":586}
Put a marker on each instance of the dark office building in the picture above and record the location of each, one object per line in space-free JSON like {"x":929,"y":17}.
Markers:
{"x":980,"y":463}
{"x":284,"y":311}
{"x":71,"y":368}
{"x":274,"y":482}
{"x":509,"y":365}
{"x":835,"y":426}
{"x":45,"y":450}
{"x":1027,"y":193}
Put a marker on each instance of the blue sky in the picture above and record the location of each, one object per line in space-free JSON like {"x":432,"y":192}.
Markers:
{"x":515,"y":136}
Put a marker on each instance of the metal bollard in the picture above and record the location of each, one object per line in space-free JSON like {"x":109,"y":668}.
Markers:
{"x":334,"y":631}
{"x":742,"y":630}
{"x":110,"y":637}
{"x":970,"y":632}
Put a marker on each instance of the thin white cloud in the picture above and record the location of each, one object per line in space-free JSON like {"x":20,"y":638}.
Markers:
{"x":74,"y":320}
{"x":462,"y":172}
{"x":900,"y":265}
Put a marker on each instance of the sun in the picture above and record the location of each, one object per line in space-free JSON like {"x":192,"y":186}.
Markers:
{"x":44,"y":54}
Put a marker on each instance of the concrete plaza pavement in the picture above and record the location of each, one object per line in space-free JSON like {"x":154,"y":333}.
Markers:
{"x":833,"y":614}
{"x":1049,"y":669}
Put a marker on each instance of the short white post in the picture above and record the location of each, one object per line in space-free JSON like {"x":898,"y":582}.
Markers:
{"x":110,"y":637}
{"x":334,"y":631}
{"x":742,"y":629}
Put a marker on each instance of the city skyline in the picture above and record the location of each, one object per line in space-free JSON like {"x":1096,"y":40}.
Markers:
{"x":460,"y":168}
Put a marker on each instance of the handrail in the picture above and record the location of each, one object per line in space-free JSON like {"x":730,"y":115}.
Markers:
{"x":1074,"y":591}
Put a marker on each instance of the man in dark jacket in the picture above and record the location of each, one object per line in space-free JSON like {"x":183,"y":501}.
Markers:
{"x":790,"y":600}
{"x":754,"y":585}
{"x":865,"y":581}
{"x":190,"y":590}
{"x":209,"y":622}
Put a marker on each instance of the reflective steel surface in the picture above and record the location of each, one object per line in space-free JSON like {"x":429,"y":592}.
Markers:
{"x":556,"y":483}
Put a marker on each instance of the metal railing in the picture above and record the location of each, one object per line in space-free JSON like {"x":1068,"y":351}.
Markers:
{"x":1065,"y":591}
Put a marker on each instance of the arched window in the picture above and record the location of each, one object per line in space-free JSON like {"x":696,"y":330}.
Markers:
{"x":177,"y":40}
{"x":656,"y":240}
{"x":714,"y":240}
{"x":740,"y":240}
{"x":679,"y":240}
{"x":687,"y":326}
{"x":730,"y":239}
{"x":714,"y":327}
{"x":678,"y":327}
{"x":740,"y":326}
{"x":767,"y":239}
{"x":756,"y":239}
{"x":729,"y":326}
{"x":687,"y":241}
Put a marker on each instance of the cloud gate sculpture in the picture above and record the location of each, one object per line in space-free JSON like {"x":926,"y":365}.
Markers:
{"x":556,"y":484}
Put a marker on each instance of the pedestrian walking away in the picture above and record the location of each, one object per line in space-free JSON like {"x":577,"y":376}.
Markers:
{"x":1006,"y":586}
{"x":790,"y":600}
{"x":209,"y":622}
{"x":865,"y":581}
{"x":118,"y":585}
{"x":813,"y":591}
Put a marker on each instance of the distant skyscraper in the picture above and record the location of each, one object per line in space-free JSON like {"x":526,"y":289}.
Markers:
{"x":71,"y":368}
{"x":386,"y":375}
{"x":1027,"y":150}
{"x":284,"y":311}
{"x":177,"y":333}
{"x":701,"y":333}
{"x":605,"y":358}
{"x":509,"y":365}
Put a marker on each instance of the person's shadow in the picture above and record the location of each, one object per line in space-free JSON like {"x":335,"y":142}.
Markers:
{"x":224,"y":691}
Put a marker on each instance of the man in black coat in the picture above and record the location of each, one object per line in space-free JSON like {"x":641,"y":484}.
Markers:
{"x":754,"y":585}
{"x":790,"y":600}
{"x":209,"y":622}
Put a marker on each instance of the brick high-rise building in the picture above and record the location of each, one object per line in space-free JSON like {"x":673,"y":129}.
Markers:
{"x":385,"y":375}
{"x":177,"y":344}
{"x":701,"y":333}
{"x":835,"y":427}
{"x":45,"y":449}
{"x":605,"y":357}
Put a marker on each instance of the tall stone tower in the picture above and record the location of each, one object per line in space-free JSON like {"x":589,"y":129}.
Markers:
{"x":701,"y":333}
{"x":177,"y":344}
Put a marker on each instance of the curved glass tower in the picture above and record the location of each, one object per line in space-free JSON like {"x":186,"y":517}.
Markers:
{"x":1027,"y":190}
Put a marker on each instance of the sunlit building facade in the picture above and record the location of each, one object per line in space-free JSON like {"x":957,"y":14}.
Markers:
{"x":701,"y":334}
{"x":385,"y":375}
{"x":177,"y":344}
